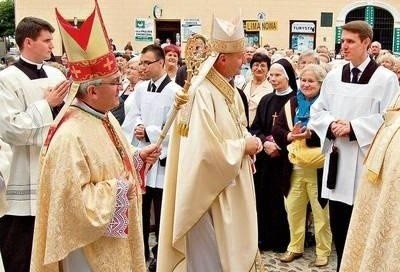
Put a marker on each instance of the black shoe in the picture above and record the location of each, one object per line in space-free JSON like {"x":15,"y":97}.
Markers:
{"x":153,"y":265}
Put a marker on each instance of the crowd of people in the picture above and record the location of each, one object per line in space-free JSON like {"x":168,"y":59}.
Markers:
{"x":82,"y":171}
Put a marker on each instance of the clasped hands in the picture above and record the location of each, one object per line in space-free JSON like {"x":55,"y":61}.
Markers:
{"x":340,"y":128}
{"x":271,"y":148}
{"x":139,"y":131}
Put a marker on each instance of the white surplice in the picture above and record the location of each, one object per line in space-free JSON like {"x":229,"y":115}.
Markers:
{"x":151,"y":109}
{"x":5,"y":160}
{"x":25,"y":117}
{"x":362,"y":105}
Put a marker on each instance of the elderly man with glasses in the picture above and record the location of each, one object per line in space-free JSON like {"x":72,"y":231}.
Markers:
{"x":89,"y":198}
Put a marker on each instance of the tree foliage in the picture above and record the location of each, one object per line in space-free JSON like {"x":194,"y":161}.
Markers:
{"x":7,"y":18}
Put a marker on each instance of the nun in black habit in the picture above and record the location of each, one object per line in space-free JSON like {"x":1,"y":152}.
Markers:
{"x":273,"y":228}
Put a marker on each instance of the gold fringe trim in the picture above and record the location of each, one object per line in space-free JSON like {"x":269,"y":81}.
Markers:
{"x":183,"y":129}
{"x":372,"y":177}
{"x":260,"y":267}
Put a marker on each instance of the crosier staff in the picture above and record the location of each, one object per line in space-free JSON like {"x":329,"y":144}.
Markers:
{"x":193,"y":59}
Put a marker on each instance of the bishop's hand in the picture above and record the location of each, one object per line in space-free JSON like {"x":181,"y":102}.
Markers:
{"x":150,"y":153}
{"x":252,"y":145}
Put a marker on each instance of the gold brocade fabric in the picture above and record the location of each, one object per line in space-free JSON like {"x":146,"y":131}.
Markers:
{"x":227,"y":46}
{"x":76,"y":199}
{"x":207,"y":171}
{"x":383,"y":138}
{"x":373,"y":240}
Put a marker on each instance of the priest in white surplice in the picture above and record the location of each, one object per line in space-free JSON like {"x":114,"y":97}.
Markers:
{"x":152,"y":102}
{"x":30,"y":92}
{"x":347,"y":114}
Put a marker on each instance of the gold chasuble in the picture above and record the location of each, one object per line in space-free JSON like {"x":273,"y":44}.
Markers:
{"x":207,"y":172}
{"x":77,"y":198}
{"x":373,"y":239}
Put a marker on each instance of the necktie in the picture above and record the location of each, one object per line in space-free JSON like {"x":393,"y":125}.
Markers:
{"x":355,"y":71}
{"x":153,"y":88}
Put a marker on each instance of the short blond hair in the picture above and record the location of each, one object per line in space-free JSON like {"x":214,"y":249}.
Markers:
{"x":316,"y":69}
{"x":386,"y":57}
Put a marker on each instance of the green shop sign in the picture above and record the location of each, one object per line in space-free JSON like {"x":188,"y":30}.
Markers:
{"x":396,"y":40}
{"x":338,"y":36}
{"x":370,"y":15}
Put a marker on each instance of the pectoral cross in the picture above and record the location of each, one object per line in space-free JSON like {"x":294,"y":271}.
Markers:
{"x":274,"y":116}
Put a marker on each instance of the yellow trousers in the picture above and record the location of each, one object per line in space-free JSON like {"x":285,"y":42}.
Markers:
{"x":303,"y":189}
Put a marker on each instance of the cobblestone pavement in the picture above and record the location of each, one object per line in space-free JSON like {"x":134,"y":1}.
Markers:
{"x":273,"y":264}
{"x":304,"y":264}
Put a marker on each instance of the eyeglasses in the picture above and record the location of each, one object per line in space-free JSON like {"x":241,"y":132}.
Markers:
{"x":260,"y":65}
{"x":147,"y":63}
{"x":119,"y":83}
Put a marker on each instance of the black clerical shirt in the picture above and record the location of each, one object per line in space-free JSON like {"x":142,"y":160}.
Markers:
{"x":31,"y":70}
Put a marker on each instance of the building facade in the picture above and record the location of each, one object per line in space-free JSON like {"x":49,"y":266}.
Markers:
{"x":300,"y":25}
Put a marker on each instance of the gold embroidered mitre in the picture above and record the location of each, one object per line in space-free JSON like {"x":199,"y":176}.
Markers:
{"x":87,"y":47}
{"x":89,"y":57}
{"x":227,"y":36}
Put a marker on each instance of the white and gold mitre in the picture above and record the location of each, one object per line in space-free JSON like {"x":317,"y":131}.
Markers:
{"x":227,"y":36}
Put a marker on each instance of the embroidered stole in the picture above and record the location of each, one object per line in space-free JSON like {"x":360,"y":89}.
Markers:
{"x":228,"y":92}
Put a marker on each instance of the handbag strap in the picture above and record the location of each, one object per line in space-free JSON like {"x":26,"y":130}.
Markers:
{"x":288,"y":114}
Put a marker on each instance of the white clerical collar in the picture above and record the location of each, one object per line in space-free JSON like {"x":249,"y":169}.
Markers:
{"x":78,"y":103}
{"x":285,"y":92}
{"x":159,"y":81}
{"x":38,"y":65}
{"x":362,"y":66}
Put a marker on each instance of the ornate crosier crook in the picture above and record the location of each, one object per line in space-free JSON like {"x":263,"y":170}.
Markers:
{"x":193,"y":58}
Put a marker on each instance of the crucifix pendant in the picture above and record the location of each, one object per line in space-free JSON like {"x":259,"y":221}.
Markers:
{"x":274,"y":116}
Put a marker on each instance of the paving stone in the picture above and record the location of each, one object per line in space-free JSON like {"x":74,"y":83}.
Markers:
{"x":305,"y":263}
